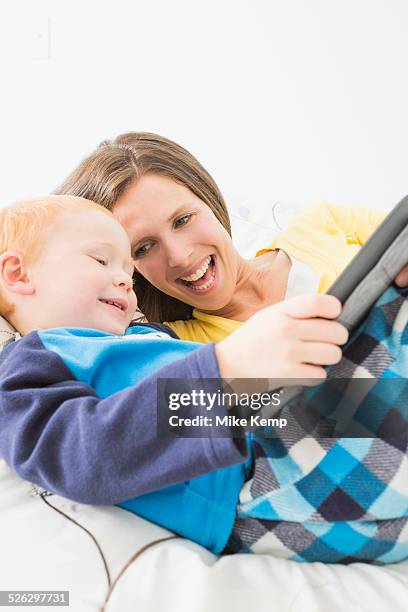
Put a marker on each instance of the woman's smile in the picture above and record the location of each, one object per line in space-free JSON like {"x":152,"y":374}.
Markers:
{"x":203,"y":279}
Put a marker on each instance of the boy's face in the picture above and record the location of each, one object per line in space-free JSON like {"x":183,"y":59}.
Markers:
{"x":83,"y":276}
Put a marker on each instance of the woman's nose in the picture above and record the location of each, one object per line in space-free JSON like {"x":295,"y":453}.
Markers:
{"x":178,"y":255}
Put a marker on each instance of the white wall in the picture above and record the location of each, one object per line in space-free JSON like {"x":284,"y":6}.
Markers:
{"x":283,"y":99}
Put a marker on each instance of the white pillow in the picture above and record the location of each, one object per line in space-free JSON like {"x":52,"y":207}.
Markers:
{"x":7,"y":333}
{"x":257,"y":221}
{"x":41,"y":549}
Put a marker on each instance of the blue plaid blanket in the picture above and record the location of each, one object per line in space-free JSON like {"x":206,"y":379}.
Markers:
{"x":314,"y":497}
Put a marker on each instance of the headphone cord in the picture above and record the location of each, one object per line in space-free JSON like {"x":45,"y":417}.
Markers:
{"x":111,"y":585}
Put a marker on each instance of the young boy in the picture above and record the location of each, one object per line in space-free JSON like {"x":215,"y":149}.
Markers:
{"x":78,"y":391}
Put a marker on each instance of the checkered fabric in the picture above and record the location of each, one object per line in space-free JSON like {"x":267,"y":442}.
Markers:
{"x":317,"y":497}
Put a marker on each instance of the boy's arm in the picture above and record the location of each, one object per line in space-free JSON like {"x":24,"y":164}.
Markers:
{"x":56,"y":432}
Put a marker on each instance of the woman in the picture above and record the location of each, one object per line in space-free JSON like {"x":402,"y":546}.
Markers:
{"x":188,"y":272}
{"x":189,"y":275}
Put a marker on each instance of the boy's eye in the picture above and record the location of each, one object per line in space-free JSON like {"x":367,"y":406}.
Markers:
{"x":101,"y":260}
{"x":182,"y":220}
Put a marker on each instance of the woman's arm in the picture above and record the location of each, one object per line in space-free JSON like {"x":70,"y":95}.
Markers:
{"x":361,"y":223}
{"x":357,"y":223}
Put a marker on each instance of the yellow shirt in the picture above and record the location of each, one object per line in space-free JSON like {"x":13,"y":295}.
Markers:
{"x":324,"y":236}
{"x":204,"y":327}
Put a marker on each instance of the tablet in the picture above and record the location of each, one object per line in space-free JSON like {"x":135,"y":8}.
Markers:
{"x":371,"y":252}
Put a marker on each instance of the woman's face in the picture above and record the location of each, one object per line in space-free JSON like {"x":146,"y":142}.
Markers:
{"x":177,"y":242}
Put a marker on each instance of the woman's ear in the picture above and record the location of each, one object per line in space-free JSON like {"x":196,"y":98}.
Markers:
{"x":13,"y":275}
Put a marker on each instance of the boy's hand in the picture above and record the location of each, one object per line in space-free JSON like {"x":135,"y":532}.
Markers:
{"x":402,"y":278}
{"x":291,"y":339}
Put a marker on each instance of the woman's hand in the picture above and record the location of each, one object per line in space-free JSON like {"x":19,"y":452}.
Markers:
{"x":291,"y":339}
{"x":402,"y":278}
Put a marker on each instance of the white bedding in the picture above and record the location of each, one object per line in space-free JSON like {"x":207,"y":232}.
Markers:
{"x":41,"y":549}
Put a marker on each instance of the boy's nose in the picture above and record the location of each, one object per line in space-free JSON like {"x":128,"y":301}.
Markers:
{"x":123,"y":280}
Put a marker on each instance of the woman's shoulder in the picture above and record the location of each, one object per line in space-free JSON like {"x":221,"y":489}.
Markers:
{"x":203,"y":327}
{"x":321,"y":222}
{"x":301,"y":220}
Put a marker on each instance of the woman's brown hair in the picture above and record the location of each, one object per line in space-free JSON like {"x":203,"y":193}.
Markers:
{"x":106,"y":174}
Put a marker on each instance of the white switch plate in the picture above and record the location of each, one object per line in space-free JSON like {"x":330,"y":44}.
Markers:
{"x":41,"y":38}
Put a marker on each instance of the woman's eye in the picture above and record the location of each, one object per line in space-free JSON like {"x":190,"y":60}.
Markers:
{"x":182,"y":220}
{"x":142,"y":250}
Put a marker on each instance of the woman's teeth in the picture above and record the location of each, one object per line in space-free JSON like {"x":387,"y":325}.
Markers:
{"x":206,"y":285}
{"x":198,"y":273}
{"x":206,"y":274}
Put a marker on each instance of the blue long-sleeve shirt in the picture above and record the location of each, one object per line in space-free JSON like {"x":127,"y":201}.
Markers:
{"x":78,"y":416}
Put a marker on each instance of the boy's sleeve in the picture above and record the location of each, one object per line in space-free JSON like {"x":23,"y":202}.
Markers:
{"x":56,"y":432}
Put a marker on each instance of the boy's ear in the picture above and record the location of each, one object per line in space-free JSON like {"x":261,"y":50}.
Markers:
{"x":13,"y":275}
